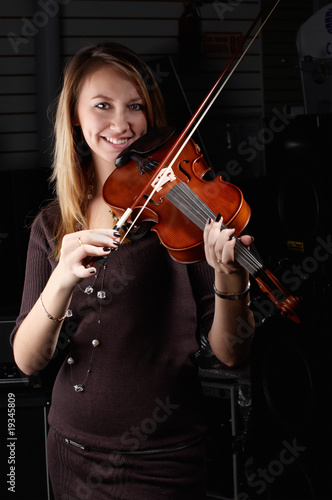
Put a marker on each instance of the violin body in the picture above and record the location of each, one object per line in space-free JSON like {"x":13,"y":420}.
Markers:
{"x":182,"y":237}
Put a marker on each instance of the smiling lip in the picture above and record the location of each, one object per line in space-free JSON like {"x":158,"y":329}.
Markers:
{"x":116,"y":141}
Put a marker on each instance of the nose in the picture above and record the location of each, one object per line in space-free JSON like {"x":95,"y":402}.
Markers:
{"x":119,"y":123}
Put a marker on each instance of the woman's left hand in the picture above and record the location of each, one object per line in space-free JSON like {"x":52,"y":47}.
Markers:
{"x":219,"y":247}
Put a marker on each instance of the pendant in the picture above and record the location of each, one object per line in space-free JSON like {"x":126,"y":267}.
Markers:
{"x":78,"y":388}
{"x":88,"y":290}
{"x":101,"y":294}
{"x":95,"y":342}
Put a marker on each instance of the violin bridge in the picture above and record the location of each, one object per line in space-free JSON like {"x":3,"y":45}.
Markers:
{"x":165,"y":175}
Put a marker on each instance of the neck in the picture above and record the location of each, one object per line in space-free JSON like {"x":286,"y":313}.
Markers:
{"x":102,"y":170}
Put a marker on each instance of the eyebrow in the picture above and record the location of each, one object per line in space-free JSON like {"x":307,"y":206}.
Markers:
{"x":108,"y":98}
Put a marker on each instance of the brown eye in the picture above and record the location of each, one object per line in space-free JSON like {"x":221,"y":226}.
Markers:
{"x":102,"y":105}
{"x":136,"y":107}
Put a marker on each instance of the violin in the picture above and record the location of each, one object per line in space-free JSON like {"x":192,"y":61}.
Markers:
{"x":181,"y":202}
{"x":162,"y":178}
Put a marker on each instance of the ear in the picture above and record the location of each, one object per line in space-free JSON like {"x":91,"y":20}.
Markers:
{"x":75,"y":121}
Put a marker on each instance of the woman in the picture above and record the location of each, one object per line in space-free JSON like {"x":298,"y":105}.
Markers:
{"x":126,"y":418}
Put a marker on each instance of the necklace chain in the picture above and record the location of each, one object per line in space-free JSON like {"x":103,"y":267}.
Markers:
{"x":101,"y":294}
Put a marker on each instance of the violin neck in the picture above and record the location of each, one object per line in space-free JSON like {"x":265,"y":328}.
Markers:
{"x":244,"y":257}
{"x":185,"y":200}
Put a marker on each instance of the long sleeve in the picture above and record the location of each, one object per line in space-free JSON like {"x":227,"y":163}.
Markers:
{"x":39,"y":264}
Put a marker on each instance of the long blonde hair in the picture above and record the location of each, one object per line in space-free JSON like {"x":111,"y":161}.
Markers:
{"x":71,"y":173}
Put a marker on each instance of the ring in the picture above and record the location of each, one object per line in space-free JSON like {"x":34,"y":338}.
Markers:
{"x":219,"y":261}
{"x":79,"y":242}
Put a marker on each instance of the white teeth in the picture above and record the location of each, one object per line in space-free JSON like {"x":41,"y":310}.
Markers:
{"x":114,"y":141}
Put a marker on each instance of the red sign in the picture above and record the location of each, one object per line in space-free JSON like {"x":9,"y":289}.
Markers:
{"x":219,"y":45}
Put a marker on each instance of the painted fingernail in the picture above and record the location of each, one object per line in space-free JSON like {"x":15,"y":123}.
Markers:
{"x":117,"y":243}
{"x":208,"y":222}
{"x":116,"y":233}
{"x":92,"y":271}
{"x":218,"y":217}
{"x":107,"y":249}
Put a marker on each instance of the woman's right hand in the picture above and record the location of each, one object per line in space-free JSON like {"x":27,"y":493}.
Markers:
{"x":82,"y":247}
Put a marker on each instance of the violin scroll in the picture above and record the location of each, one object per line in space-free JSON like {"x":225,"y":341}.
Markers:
{"x":278,"y":294}
{"x":145,"y":145}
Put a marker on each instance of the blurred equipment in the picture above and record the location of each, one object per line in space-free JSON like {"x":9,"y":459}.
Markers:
{"x":314,"y":46}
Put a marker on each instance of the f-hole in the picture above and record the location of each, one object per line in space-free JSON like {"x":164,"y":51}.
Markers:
{"x":152,"y":201}
{"x":183,"y":170}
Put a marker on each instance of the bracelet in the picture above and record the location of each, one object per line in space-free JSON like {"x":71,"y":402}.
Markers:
{"x":232,"y":296}
{"x":47,"y":314}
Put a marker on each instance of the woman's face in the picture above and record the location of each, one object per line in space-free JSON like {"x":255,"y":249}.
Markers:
{"x":111,"y":114}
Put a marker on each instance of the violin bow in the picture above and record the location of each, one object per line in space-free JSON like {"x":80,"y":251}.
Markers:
{"x":196,"y":119}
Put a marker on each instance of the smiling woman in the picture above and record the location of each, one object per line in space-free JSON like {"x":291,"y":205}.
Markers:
{"x":127,"y":418}
{"x":93,"y":78}
{"x":111,"y":114}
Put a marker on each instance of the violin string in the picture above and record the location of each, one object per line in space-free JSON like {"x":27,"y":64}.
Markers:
{"x":195,"y":206}
{"x":198,"y":212}
{"x":245,"y":257}
{"x":191,"y":205}
{"x":187,"y":201}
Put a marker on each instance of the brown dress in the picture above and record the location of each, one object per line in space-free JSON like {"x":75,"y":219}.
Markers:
{"x":135,"y":429}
